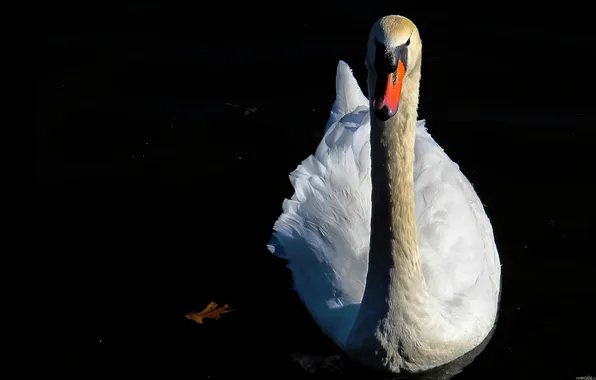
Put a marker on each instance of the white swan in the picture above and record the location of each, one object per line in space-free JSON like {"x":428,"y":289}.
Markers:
{"x":389,"y":246}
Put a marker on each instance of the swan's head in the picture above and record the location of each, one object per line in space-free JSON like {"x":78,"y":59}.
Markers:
{"x":394,"y":47}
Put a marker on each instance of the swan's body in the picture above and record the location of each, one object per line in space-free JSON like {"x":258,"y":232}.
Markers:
{"x":389,"y":246}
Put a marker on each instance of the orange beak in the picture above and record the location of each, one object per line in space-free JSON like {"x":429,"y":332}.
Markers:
{"x":388,"y":92}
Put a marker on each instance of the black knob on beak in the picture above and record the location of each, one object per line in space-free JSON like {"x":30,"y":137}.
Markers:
{"x":384,"y":113}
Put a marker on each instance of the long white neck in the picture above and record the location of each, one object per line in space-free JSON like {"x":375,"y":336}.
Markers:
{"x":395,"y":300}
{"x":394,"y":266}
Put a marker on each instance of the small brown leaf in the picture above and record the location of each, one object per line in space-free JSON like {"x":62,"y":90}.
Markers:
{"x":211,"y":311}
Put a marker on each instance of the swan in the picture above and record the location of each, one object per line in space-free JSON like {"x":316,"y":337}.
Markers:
{"x":389,"y":246}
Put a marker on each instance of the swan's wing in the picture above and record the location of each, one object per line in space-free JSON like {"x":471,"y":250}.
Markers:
{"x":324,"y":229}
{"x":348,"y":95}
{"x":455,"y":239}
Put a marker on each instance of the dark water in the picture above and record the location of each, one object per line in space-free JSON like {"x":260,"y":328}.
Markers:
{"x":157,"y":190}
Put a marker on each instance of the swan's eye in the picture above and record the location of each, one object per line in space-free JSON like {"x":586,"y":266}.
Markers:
{"x":408,"y":42}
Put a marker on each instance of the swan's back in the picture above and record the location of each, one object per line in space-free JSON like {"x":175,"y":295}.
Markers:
{"x":324,"y":228}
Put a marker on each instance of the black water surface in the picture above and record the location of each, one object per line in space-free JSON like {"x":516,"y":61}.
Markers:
{"x":165,"y":133}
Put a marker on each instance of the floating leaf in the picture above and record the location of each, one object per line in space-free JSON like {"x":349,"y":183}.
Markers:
{"x":211,"y":311}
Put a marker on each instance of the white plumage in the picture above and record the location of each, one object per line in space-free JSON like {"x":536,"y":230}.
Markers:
{"x":324,"y":229}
